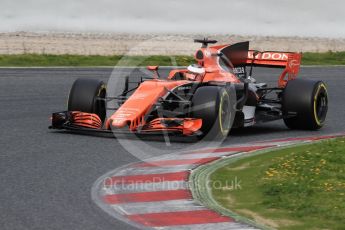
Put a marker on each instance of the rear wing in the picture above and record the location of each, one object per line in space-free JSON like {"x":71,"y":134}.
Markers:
{"x":289,"y":61}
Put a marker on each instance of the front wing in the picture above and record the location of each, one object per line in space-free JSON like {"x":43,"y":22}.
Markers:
{"x":89,"y":123}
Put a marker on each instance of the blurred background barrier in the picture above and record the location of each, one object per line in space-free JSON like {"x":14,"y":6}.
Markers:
{"x":154,"y":44}
{"x":108,"y":27}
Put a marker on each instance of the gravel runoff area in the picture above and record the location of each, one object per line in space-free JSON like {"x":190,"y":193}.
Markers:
{"x":152,"y":44}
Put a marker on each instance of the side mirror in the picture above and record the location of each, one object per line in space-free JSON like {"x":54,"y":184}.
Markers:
{"x":154,"y":69}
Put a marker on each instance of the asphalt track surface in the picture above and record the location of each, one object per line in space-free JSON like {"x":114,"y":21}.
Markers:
{"x":46,"y":176}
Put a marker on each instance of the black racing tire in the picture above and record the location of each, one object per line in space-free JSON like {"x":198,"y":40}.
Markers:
{"x":83,"y":94}
{"x":305,"y":104}
{"x":212,"y":104}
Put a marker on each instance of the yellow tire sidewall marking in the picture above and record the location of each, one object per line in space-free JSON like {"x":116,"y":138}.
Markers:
{"x":318,"y":122}
{"x":224,"y":131}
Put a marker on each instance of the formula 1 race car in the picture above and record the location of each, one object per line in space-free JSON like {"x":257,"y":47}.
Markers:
{"x":206,"y":99}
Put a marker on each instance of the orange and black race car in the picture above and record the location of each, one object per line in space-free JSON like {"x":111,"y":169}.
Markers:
{"x":206,"y":99}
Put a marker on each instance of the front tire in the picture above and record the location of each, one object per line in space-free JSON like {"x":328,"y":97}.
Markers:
{"x":212,"y":104}
{"x":83,"y":97}
{"x":305,"y":104}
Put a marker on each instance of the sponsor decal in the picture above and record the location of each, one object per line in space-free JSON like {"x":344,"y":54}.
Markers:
{"x":184,"y":88}
{"x":279,"y":56}
{"x":239,"y":70}
{"x":293,"y":63}
{"x":124,"y":113}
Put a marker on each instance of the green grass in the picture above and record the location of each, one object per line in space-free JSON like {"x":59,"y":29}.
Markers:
{"x":25,"y":60}
{"x":328,"y":58}
{"x":296,"y":188}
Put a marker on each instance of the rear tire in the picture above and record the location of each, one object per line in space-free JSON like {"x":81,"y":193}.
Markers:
{"x":308,"y":100}
{"x":212,"y":104}
{"x":83,"y":94}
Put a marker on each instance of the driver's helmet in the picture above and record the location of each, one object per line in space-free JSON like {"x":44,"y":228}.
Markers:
{"x":196,"y":69}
